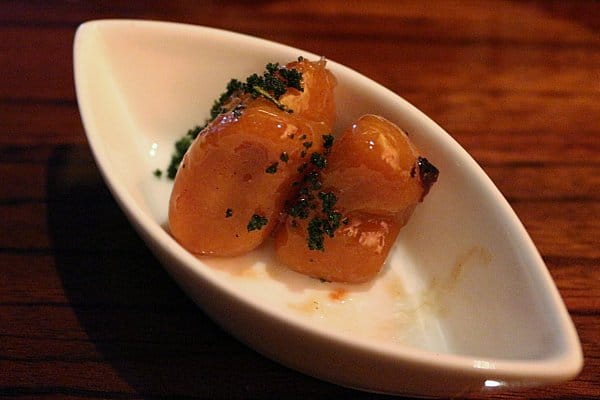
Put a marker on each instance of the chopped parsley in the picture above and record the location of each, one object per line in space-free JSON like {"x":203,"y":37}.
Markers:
{"x":181,"y":147}
{"x":256,"y":222}
{"x":228,"y":213}
{"x":327,"y":142}
{"x":328,"y":200}
{"x":300,"y":209}
{"x":313,"y":180}
{"x":314,"y":204}
{"x":325,"y":224}
{"x":237,"y":110}
{"x":271,"y":169}
{"x":272,"y":84}
{"x":157,"y":172}
{"x":219,"y":105}
{"x":292,"y":77}
{"x":284,"y":156}
{"x":315,"y":234}
{"x":318,"y":160}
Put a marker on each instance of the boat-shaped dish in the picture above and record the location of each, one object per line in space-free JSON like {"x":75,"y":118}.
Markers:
{"x":464,"y":303}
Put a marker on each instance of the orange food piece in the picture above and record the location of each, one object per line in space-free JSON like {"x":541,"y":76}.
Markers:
{"x":372,"y":168}
{"x":316,"y":103}
{"x":355,"y":254}
{"x":377,"y":178}
{"x":243,"y":165}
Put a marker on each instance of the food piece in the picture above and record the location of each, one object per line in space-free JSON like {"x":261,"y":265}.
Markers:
{"x":374,"y":168}
{"x":316,"y":103}
{"x":235,"y":165}
{"x":234,"y":179}
{"x":373,"y":179}
{"x":354,"y":254}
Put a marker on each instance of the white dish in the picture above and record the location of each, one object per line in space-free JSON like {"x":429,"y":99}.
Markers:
{"x":466,"y":302}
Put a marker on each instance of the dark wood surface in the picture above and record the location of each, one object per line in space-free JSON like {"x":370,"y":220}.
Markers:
{"x":87,"y":312}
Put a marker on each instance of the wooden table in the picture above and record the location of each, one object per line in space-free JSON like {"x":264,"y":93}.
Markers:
{"x":87,"y":312}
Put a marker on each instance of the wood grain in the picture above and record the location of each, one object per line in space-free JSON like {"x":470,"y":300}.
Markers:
{"x":86,"y":311}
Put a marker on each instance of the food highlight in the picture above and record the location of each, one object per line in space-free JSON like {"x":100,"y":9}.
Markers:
{"x":267,"y":164}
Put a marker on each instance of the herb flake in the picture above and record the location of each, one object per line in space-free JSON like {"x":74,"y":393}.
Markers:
{"x":256,"y":222}
{"x":327,"y":142}
{"x":318,"y":160}
{"x":272,"y":84}
{"x":271,"y":169}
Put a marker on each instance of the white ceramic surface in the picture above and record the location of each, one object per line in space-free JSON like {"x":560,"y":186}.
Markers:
{"x":465,"y":302}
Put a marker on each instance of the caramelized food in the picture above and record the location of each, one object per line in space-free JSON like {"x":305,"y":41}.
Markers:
{"x":373,"y":179}
{"x":233,"y":181}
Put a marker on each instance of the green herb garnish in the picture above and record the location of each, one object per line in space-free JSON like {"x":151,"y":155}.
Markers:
{"x":271,"y":169}
{"x":256,"y":223}
{"x":271,"y":85}
{"x":237,"y":110}
{"x":327,"y":142}
{"x":319,"y":227}
{"x":318,"y":160}
{"x":181,"y":147}
{"x":315,"y":204}
{"x":313,"y":180}
{"x":300,"y":209}
{"x":315,"y":235}
{"x":328,"y":200}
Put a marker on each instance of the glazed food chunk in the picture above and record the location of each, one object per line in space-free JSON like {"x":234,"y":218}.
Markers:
{"x":374,"y":168}
{"x":355,"y":253}
{"x":316,"y":102}
{"x":343,"y":224}
{"x":235,"y":178}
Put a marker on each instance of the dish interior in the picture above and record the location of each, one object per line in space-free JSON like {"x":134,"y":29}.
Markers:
{"x":459,"y":280}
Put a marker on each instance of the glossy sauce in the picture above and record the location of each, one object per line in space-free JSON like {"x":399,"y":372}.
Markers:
{"x":373,"y":170}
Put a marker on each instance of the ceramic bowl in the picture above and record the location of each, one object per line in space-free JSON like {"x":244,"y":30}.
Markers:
{"x":464,"y":303}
